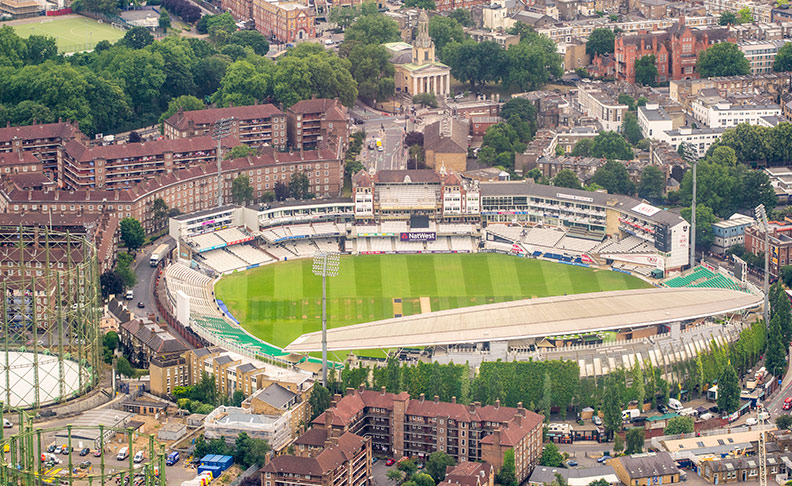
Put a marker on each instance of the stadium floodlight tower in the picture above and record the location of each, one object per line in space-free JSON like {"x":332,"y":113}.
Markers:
{"x":222,"y":129}
{"x":761,"y":216}
{"x":690,"y":154}
{"x":325,"y":265}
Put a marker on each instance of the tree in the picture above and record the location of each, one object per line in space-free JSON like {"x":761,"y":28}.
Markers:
{"x":532,"y":63}
{"x":124,"y":368}
{"x":281,"y":191}
{"x":436,"y":465}
{"x":462,"y":16}
{"x":250,"y":38}
{"x":646,"y":70}
{"x":319,"y":400}
{"x":613,"y":176}
{"x":679,"y":425}
{"x":625,"y":99}
{"x":132,"y":233}
{"x":164,"y":20}
{"x":506,"y":476}
{"x":475,"y":62}
{"x":704,"y":220}
{"x":423,"y":479}
{"x":781,"y":308}
{"x":727,"y":18}
{"x":111,"y":283}
{"x":783,"y":60}
{"x":630,"y":128}
{"x":249,"y":451}
{"x":611,"y":145}
{"x":775,"y":355}
{"x":744,"y":15}
{"x":425,"y":99}
{"x":424,"y":4}
{"x":728,"y":390}
{"x":618,"y":444}
{"x":520,"y":107}
{"x":372,"y":70}
{"x":600,"y":41}
{"x":784,"y":422}
{"x":408,"y":467}
{"x":583,"y":148}
{"x":567,"y":178}
{"x":137,"y":38}
{"x":612,"y":405}
{"x":373,"y":29}
{"x":40,"y":48}
{"x":110,"y":340}
{"x":651,"y":184}
{"x":443,"y":30}
{"x":159,"y":213}
{"x":551,"y":457}
{"x":722,"y":59}
{"x":393,"y":474}
{"x":300,"y":187}
{"x":124,"y":270}
{"x":634,"y":440}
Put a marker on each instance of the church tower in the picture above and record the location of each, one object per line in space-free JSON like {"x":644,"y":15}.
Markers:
{"x":423,"y":46}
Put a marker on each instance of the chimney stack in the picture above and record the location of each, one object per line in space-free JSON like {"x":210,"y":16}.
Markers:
{"x":436,"y":399}
{"x":497,"y":403}
{"x":382,"y":391}
{"x":422,"y":397}
{"x":453,"y":399}
{"x":349,"y":391}
{"x":361,"y":388}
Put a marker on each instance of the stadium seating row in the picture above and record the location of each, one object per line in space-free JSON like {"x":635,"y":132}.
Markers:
{"x":195,"y":285}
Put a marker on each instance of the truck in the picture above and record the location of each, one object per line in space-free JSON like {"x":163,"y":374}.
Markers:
{"x":172,"y":459}
{"x":158,"y":254}
{"x":629,"y":414}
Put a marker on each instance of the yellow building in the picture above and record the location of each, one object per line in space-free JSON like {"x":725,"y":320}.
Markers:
{"x":420,"y":72}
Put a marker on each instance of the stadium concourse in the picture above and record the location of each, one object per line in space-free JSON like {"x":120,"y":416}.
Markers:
{"x":422,"y":211}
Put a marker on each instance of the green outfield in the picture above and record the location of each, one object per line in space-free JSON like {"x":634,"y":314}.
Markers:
{"x":280,"y":302}
{"x":72,"y":34}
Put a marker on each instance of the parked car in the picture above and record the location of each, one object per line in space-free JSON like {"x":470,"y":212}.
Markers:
{"x":604,"y":458}
{"x":98,"y":453}
{"x":596,"y":420}
{"x":390,"y":462}
{"x":66,"y":450}
{"x":51,"y":448}
{"x":374,"y":460}
{"x":662,"y":408}
{"x":85,"y":464}
{"x":57,"y":449}
{"x":7,"y":423}
{"x":85,"y":451}
{"x":572,"y":463}
{"x":751,"y":421}
{"x":141,"y":305}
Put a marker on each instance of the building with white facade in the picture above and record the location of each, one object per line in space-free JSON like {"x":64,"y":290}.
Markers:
{"x":653,"y":120}
{"x":761,"y":55}
{"x":595,"y":103}
{"x":727,"y":115}
{"x":698,"y":138}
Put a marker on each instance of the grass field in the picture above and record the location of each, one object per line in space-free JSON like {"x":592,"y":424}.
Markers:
{"x":280,"y":302}
{"x":72,"y":34}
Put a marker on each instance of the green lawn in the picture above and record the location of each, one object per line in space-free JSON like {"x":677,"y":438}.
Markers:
{"x":71,"y":34}
{"x":280,"y":302}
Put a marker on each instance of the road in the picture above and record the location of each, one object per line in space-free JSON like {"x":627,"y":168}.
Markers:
{"x":390,"y":129}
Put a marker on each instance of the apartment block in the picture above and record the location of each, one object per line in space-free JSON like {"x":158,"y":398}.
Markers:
{"x":728,"y":115}
{"x":253,"y":125}
{"x":401,"y":426}
{"x":41,"y":140}
{"x":595,"y":103}
{"x":168,"y":372}
{"x":698,"y":138}
{"x":761,"y":55}
{"x":780,"y":244}
{"x":313,"y":122}
{"x":343,"y":460}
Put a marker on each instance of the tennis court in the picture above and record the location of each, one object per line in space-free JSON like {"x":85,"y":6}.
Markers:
{"x":72,"y":33}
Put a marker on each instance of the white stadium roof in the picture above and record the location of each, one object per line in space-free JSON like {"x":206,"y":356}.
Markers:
{"x":529,"y":318}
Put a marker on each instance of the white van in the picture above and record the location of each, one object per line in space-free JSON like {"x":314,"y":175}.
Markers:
{"x":122,"y":454}
{"x":674,"y":404}
{"x":138,"y":457}
{"x":130,"y":294}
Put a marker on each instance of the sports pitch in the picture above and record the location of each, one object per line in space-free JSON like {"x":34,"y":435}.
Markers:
{"x":280,"y":302}
{"x":72,"y":34}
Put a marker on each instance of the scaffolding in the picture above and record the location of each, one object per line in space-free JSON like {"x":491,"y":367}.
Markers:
{"x":24,"y":458}
{"x":49,"y":314}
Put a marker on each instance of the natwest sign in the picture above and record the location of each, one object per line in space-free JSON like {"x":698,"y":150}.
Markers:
{"x":418,"y":236}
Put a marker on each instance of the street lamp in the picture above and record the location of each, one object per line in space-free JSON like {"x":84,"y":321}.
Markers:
{"x":691,"y":155}
{"x":761,"y":216}
{"x":222,"y":129}
{"x":325,"y":265}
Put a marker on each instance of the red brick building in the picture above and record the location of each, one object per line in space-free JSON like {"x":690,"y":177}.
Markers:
{"x":451,"y":5}
{"x":312,"y":123}
{"x":401,"y":426}
{"x":284,"y":21}
{"x":780,"y":240}
{"x":676,"y":50}
{"x":253,"y":125}
{"x":344,"y":460}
